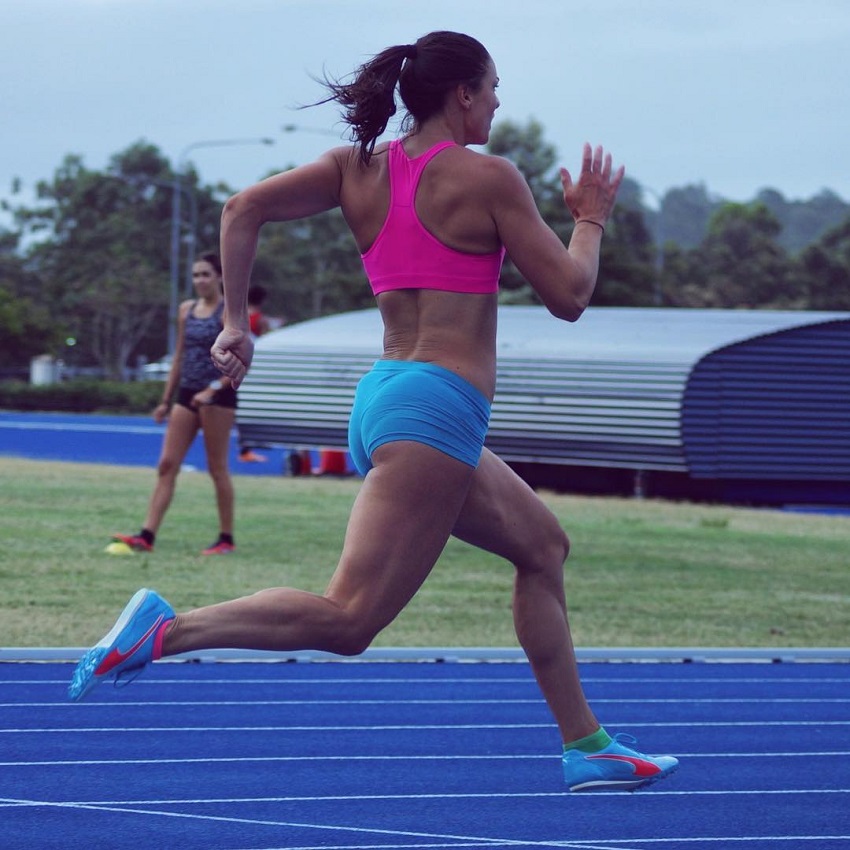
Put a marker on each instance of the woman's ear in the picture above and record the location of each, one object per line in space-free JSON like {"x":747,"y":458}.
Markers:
{"x":464,"y":96}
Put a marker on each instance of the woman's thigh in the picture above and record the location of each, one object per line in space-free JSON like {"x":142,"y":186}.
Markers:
{"x":217,"y":423}
{"x":503,"y":515}
{"x":403,"y":515}
{"x":181,"y":430}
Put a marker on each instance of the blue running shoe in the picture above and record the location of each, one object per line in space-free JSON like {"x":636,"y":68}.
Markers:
{"x":127,"y":647}
{"x":615,"y":768}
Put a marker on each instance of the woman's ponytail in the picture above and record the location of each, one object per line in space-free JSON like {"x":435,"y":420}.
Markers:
{"x":369,"y":99}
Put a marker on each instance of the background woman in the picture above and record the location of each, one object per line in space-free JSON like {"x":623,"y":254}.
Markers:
{"x":205,"y":401}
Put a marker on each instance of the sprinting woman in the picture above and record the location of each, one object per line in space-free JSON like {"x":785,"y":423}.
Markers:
{"x":433,"y":221}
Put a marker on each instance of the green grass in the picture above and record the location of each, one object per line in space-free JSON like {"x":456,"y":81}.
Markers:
{"x":641,"y":573}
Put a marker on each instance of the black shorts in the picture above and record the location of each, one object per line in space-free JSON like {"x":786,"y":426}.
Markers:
{"x":225,"y":397}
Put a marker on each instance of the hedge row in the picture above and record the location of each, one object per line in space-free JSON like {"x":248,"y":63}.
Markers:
{"x":82,"y":396}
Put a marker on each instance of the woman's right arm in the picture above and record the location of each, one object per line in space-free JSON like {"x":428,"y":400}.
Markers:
{"x":563,"y":277}
{"x":298,"y":193}
{"x":173,"y":379}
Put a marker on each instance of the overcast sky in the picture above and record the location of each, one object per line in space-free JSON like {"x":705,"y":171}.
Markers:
{"x":737,"y":95}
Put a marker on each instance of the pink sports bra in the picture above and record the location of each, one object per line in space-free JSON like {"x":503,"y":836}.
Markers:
{"x":406,"y":256}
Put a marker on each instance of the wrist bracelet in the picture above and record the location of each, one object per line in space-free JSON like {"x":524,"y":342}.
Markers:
{"x":591,"y":221}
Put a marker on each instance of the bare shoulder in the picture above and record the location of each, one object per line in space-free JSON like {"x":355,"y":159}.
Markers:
{"x":364,"y":192}
{"x":493,"y":175}
{"x":349,"y":160}
{"x":185,"y":307}
{"x":340,"y":156}
{"x":356,"y":176}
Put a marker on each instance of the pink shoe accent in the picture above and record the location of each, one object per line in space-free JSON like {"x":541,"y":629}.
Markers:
{"x":158,"y":639}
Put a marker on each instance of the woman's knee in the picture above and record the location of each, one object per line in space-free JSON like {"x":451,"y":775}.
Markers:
{"x":563,"y":545}
{"x":353,"y":638}
{"x":550,"y":551}
{"x":354,"y":626}
{"x":557,"y":545}
{"x":220,"y":477}
{"x":168,"y":467}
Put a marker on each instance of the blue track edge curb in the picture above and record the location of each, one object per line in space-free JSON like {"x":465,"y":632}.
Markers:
{"x":474,"y":653}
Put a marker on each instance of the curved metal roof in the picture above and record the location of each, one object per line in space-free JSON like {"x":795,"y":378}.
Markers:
{"x":609,"y":333}
{"x":773,"y":407}
{"x":605,"y":391}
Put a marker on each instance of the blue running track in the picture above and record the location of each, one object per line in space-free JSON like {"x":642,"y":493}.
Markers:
{"x":363,"y":755}
{"x":360,"y":755}
{"x":118,"y":440}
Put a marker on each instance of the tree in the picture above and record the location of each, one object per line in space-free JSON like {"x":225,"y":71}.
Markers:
{"x":825,"y":270}
{"x":102,"y":253}
{"x":95,"y":261}
{"x":684,"y":216}
{"x":25,"y":327}
{"x":313,"y":267}
{"x":628,"y":276}
{"x":738,"y":264}
{"x":804,"y":222}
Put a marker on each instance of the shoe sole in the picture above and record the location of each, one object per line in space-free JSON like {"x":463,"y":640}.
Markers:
{"x":627,"y":785}
{"x":84,"y":678}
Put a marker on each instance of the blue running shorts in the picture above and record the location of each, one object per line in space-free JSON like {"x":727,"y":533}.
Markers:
{"x":422,"y":402}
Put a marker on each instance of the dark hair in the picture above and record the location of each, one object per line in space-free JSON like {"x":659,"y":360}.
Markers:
{"x":212,"y":258}
{"x":424,"y":73}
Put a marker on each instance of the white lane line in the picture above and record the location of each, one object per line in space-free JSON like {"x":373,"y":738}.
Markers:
{"x":150,"y":681}
{"x":413,"y":727}
{"x":392,"y":702}
{"x":483,"y":841}
{"x":454,"y":796}
{"x":467,"y":840}
{"x":386,"y":758}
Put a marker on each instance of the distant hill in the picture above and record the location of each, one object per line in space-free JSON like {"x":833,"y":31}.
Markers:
{"x":685,"y":212}
{"x":804,"y":222}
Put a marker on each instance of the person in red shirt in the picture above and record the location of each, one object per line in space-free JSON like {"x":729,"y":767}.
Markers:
{"x":257,"y":321}
{"x":258,"y":324}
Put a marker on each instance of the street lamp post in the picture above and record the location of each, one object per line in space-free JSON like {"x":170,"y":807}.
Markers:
{"x":177,"y":189}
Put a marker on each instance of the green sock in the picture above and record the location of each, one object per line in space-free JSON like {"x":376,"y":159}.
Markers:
{"x":592,"y":743}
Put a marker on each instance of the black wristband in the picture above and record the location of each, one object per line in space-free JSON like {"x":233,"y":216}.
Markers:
{"x":591,"y":221}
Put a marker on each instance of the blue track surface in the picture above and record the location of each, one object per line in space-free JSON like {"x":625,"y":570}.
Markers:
{"x":120,"y":440}
{"x":366,"y":755}
{"x":362,"y":755}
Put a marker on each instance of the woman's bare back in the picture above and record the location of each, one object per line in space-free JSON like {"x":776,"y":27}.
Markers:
{"x":454,"y":330}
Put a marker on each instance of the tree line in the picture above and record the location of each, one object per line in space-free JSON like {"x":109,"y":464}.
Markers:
{"x":85,"y":270}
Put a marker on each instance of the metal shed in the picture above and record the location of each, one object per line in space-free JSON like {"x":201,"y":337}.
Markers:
{"x":723,"y":395}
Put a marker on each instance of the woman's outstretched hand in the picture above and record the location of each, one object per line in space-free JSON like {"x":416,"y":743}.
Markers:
{"x":232,"y":353}
{"x":592,"y":196}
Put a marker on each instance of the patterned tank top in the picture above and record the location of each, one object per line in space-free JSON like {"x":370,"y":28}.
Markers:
{"x":197,"y":370}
